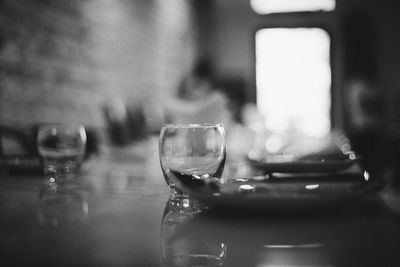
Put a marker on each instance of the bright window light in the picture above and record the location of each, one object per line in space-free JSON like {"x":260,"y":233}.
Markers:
{"x":293,"y":77}
{"x":279,"y":6}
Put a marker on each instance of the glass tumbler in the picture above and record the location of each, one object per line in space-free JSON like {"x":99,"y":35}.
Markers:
{"x":61,"y":148}
{"x":191,"y":151}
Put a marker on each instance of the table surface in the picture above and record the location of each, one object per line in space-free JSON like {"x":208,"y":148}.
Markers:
{"x":119,"y":214}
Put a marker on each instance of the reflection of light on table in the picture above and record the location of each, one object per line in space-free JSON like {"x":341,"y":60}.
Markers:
{"x":312,"y":186}
{"x":246,"y":189}
{"x":315,"y":245}
{"x":366,"y":176}
{"x":308,"y":254}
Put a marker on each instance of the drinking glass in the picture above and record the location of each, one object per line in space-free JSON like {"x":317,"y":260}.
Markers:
{"x":61,"y":148}
{"x":192,"y":151}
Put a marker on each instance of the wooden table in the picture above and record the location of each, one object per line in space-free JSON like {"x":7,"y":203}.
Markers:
{"x":119,"y":215}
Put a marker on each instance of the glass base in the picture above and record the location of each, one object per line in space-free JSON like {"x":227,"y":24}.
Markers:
{"x":176,"y":192}
{"x":184,"y":204}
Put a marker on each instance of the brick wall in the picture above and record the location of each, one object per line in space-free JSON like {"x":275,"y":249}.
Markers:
{"x":61,"y":61}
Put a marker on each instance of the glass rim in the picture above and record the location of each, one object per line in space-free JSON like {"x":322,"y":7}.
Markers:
{"x":43,"y":128}
{"x":192,"y":125}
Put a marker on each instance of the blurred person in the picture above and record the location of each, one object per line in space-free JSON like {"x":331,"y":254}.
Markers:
{"x":116,"y":114}
{"x":364,"y":122}
{"x":363,"y":105}
{"x":125,"y":122}
{"x":198,"y":101}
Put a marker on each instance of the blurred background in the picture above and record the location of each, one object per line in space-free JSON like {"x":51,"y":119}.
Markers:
{"x":307,"y":67}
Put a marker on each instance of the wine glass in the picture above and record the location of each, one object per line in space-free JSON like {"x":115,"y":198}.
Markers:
{"x":191,"y":151}
{"x":61,"y":148}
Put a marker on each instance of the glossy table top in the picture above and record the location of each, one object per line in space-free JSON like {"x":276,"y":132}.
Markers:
{"x":118,"y":213}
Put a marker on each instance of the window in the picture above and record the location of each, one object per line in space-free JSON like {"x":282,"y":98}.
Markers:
{"x":293,"y":80}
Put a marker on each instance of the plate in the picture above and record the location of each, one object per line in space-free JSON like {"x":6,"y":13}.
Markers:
{"x":278,"y":192}
{"x":290,"y":164}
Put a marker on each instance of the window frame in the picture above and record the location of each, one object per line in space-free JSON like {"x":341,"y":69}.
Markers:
{"x":292,"y":11}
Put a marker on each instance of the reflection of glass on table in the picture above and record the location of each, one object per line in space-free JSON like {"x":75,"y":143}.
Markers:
{"x":59,"y":209}
{"x":182,"y":247}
